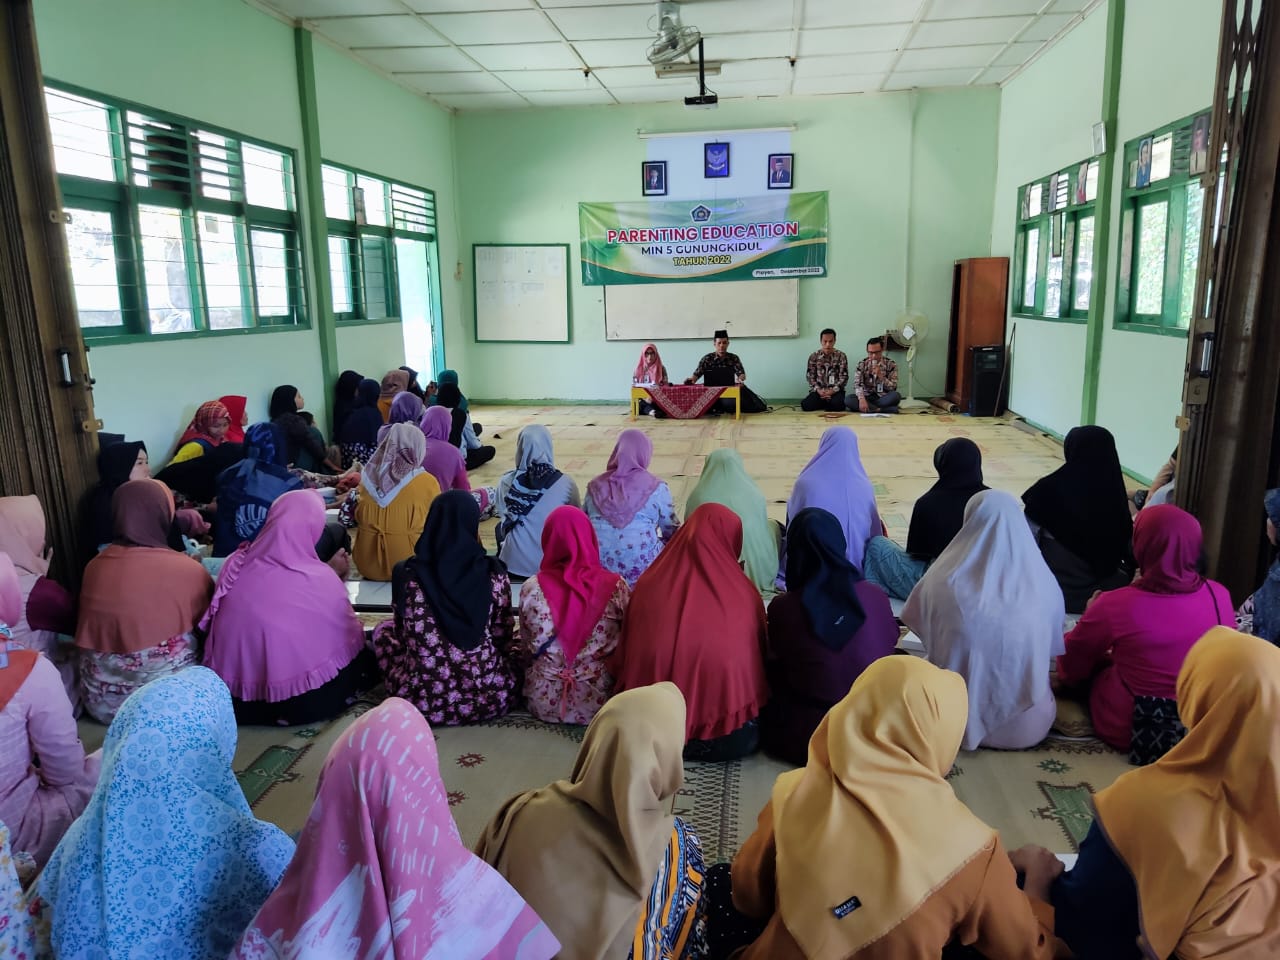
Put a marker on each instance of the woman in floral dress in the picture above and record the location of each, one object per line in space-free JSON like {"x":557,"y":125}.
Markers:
{"x":446,"y":651}
{"x":630,"y":508}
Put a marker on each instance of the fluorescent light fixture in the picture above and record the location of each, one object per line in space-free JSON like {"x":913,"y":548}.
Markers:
{"x":682,"y":68}
{"x":659,"y":134}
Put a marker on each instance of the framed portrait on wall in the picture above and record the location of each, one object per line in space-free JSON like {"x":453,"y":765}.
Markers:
{"x":1198,"y":161}
{"x":781,"y":170}
{"x":715,"y":160}
{"x":653,"y":178}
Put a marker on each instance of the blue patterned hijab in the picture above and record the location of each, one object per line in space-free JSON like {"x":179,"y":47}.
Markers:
{"x":167,"y":860}
{"x":1266,"y":599}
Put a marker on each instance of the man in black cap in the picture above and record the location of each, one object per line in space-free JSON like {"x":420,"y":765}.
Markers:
{"x":723,"y":369}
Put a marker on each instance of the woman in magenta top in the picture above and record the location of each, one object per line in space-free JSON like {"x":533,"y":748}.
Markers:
{"x":1132,"y":641}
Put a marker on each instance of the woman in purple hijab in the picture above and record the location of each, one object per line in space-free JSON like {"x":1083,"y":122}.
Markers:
{"x":630,"y":508}
{"x":443,"y":460}
{"x":836,"y":481}
{"x":405,"y":408}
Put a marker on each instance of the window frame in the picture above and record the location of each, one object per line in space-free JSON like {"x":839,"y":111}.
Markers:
{"x":1045,"y":221}
{"x":1172,"y":190}
{"x":124,"y":199}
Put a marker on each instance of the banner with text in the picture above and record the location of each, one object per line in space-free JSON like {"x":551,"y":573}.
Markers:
{"x":748,"y":238}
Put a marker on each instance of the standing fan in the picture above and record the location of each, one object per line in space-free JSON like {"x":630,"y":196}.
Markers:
{"x":910,"y":330}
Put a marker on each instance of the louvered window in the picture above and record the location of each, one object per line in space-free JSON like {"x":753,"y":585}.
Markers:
{"x":1053,"y":250}
{"x":176,"y":227}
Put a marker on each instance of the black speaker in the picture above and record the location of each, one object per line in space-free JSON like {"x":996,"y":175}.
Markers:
{"x":986,"y":365}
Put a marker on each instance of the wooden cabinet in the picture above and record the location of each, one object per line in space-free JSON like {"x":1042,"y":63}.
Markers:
{"x":979,"y":294}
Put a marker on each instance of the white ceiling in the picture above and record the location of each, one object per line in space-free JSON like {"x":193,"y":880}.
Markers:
{"x":502,"y":54}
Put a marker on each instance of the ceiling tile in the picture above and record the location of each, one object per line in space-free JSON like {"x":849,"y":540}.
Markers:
{"x":747,"y":46}
{"x":995,"y":75}
{"x":523,"y":80}
{"x":852,"y":40}
{"x":549,"y":4}
{"x":1047,"y":26}
{"x":524,"y":56}
{"x":720,"y":17}
{"x":969,"y":9}
{"x":774,"y":69}
{"x":1016,"y":54}
{"x":632,"y":77}
{"x":512,"y":26}
{"x":1070,"y":6}
{"x":948,"y":33}
{"x":752,"y":88}
{"x":854,"y":13}
{"x":567,"y":98}
{"x":816,"y":86}
{"x":396,"y":59}
{"x":946,"y":58}
{"x":453,"y":82}
{"x":606,"y":23}
{"x":851,"y":65}
{"x":464,"y":6}
{"x":650,"y":93}
{"x":613,"y":53}
{"x":404,"y":31}
{"x":481,"y":101}
{"x":304,"y":9}
{"x":928,"y":78}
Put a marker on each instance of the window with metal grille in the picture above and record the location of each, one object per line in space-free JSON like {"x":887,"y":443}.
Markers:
{"x":176,"y":227}
{"x":1053,"y":247}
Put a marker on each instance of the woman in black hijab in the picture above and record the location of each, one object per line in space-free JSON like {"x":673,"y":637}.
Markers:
{"x":1080,"y":516}
{"x":358,"y":437}
{"x":118,"y":463}
{"x":461,"y":433}
{"x":344,"y":399}
{"x":936,"y":519}
{"x":306,"y":449}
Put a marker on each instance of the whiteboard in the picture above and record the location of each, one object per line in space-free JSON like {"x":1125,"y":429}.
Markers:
{"x":521,"y":292}
{"x":693,"y":311}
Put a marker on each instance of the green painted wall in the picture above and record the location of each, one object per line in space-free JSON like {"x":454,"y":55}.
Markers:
{"x":523,"y":173}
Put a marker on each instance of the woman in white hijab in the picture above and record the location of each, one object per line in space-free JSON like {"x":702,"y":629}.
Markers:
{"x":990,"y":609}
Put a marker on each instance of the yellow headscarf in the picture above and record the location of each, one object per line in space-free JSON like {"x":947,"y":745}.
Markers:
{"x":1200,"y":828}
{"x":870,"y":827}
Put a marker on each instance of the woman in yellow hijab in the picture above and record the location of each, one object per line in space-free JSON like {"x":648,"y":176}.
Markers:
{"x":866,"y":852}
{"x":1184,"y":856}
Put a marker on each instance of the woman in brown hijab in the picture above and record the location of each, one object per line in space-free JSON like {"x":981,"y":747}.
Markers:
{"x":393,"y":382}
{"x":599,"y":856}
{"x":139,"y":602}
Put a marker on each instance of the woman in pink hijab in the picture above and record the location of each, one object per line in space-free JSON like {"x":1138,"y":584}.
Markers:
{"x":443,"y":460}
{"x":571,"y":614}
{"x":630,"y":508}
{"x":280,"y":630}
{"x":380,"y":870}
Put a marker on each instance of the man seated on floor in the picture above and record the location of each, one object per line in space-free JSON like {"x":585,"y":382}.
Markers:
{"x":723,"y":369}
{"x":828,"y":374}
{"x":875,"y":381}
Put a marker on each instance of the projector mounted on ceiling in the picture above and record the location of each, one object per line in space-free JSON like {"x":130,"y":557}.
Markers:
{"x":673,"y":40}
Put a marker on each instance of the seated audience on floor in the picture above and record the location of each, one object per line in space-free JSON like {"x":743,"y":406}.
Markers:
{"x":280,"y":630}
{"x":630,"y":508}
{"x":380,"y":868}
{"x":414,"y":386}
{"x":875,"y":382}
{"x":245,"y":493}
{"x":827,"y":374}
{"x":237,"y":407}
{"x":1131,"y":642}
{"x":526,"y":497}
{"x":167,"y":860}
{"x":208,"y":428}
{"x":571,"y":614}
{"x":389,"y":507}
{"x":935,"y":520}
{"x":118,"y":463}
{"x":449,"y":378}
{"x":393,"y":382}
{"x":650,"y":371}
{"x":696,"y":620}
{"x":45,"y":777}
{"x":1161,"y":489}
{"x":1080,"y":517}
{"x":1260,"y":613}
{"x":344,"y":400}
{"x":405,"y":408}
{"x":725,"y":481}
{"x":823,"y":632}
{"x":835,"y":480}
{"x":599,"y":855}
{"x":989,"y":609}
{"x":447,"y":651}
{"x":442,"y":460}
{"x":867,"y":852}
{"x":196,"y":480}
{"x":462,"y":433}
{"x":720,"y":368}
{"x":1181,"y":859}
{"x":304,"y":443}
{"x":361,"y":424}
{"x":140,"y":602}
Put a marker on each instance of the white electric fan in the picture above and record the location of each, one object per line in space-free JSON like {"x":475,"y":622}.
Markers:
{"x":674,"y":40}
{"x":911,"y":330}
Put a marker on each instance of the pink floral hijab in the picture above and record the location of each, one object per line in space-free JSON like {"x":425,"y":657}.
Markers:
{"x":397,"y":460}
{"x":380,"y":871}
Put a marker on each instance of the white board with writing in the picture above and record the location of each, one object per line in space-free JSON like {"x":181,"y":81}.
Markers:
{"x":521,"y":292}
{"x":692,"y":311}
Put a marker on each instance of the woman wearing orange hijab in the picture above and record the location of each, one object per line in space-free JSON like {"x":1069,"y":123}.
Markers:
{"x":1183,"y":858}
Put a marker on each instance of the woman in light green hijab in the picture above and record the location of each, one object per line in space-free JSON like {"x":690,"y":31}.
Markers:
{"x":725,"y":481}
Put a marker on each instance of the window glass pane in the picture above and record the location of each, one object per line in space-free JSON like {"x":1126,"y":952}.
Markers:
{"x":266,"y":177}
{"x":164,"y":267}
{"x":337,"y":193}
{"x":1190,"y":251}
{"x":1161,"y":157}
{"x":375,"y":200}
{"x":376,"y":274}
{"x":1083,"y":264}
{"x":91,"y":242}
{"x":217,"y":158}
{"x":1091,"y":183}
{"x":340,"y":274}
{"x":1030,"y":264}
{"x":1153,"y":223}
{"x":81,"y":133}
{"x":1034,"y":193}
{"x":412,"y":209}
{"x":1053,"y":268}
{"x":270,"y":272}
{"x":224,"y":292}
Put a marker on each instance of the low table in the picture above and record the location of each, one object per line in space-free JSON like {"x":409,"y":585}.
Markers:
{"x":676,"y":401}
